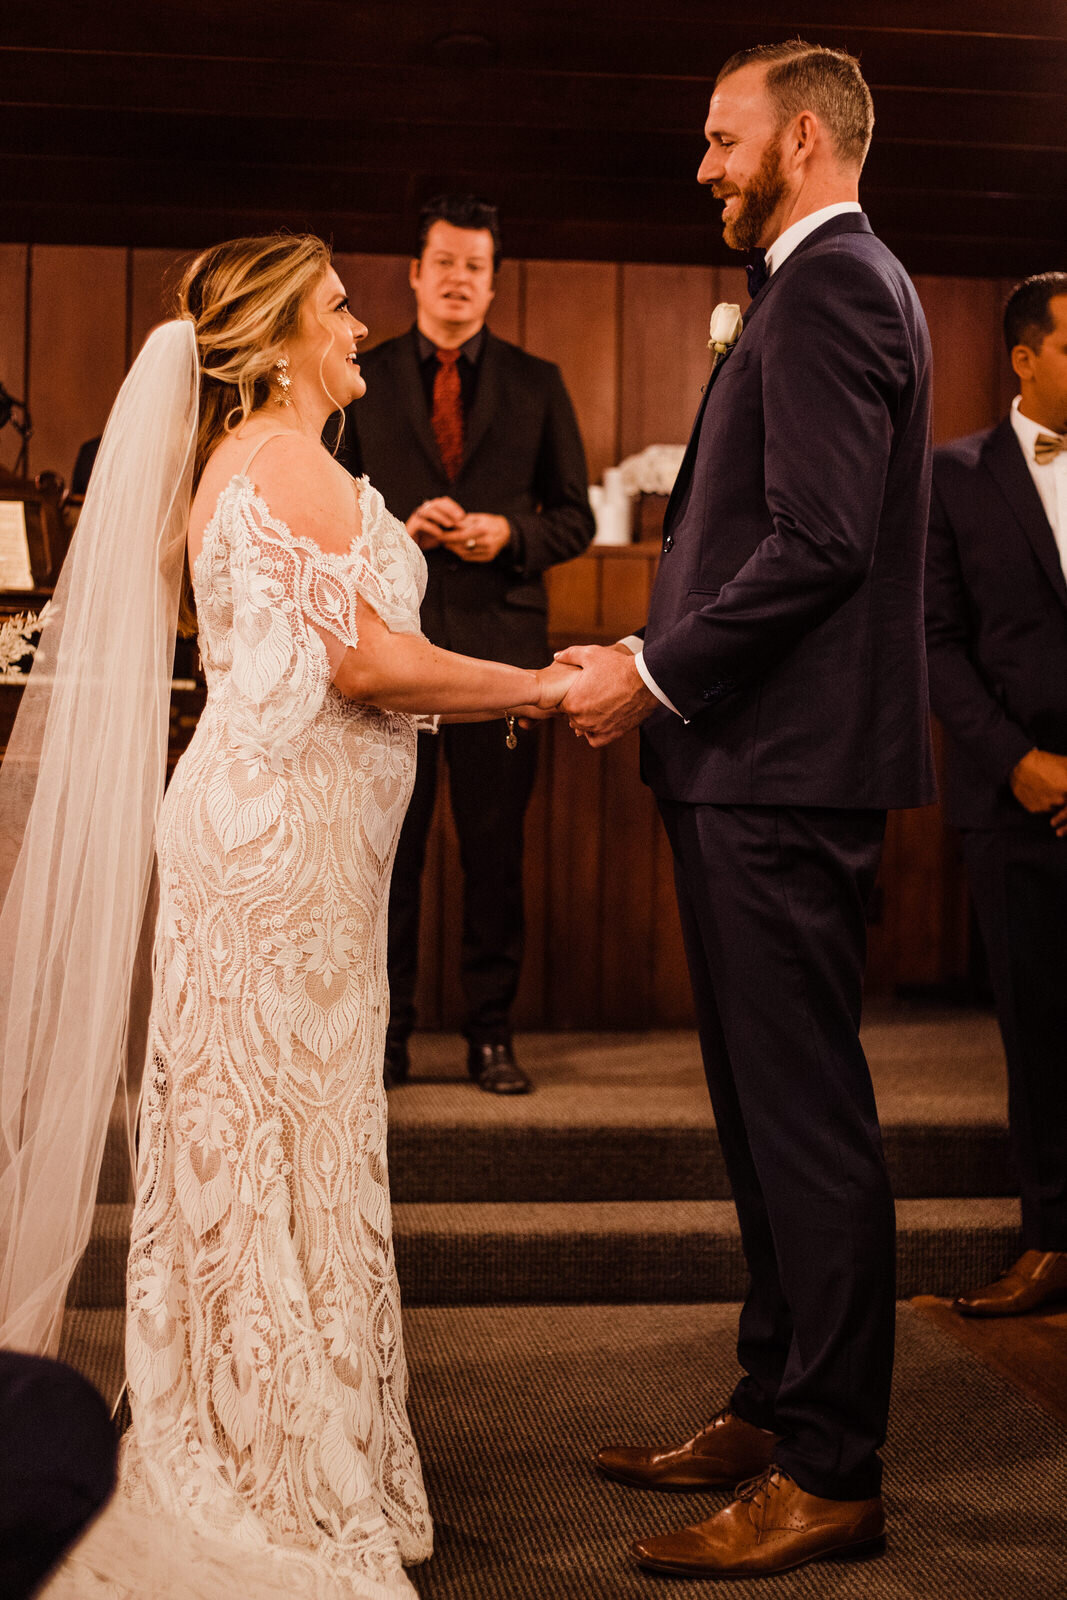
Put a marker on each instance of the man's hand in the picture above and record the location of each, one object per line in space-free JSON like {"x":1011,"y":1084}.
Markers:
{"x":609,"y":697}
{"x":428,"y":522}
{"x":478,"y":536}
{"x":1039,"y":782}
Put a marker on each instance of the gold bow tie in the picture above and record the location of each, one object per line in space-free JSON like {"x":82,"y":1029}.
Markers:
{"x":1047,"y":447}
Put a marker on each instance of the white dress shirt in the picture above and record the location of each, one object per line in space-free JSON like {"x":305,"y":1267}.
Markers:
{"x":1050,"y":477}
{"x":777,"y":253}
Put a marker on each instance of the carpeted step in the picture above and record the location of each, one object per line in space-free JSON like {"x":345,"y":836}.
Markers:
{"x":611,"y":1251}
{"x":626,"y":1117}
{"x":508,"y":1405}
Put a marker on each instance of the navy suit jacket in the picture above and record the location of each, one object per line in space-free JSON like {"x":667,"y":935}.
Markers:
{"x":786,"y":621}
{"x":996,"y":625}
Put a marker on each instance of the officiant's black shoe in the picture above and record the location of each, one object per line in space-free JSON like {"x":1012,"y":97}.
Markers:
{"x":397,"y":1061}
{"x":718,"y":1457}
{"x":493,"y":1067}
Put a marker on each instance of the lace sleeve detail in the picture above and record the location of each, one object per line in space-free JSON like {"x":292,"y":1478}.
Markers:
{"x":286,"y":594}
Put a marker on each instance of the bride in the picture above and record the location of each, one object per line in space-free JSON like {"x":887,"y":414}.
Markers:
{"x":270,"y":1442}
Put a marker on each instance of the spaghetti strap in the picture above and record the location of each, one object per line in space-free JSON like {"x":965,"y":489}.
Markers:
{"x":279,"y":433}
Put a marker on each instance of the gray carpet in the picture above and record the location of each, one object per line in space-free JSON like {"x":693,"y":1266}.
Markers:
{"x":625,"y":1116}
{"x":508,"y":1406}
{"x":509,"y":1403}
{"x":485,"y":1253}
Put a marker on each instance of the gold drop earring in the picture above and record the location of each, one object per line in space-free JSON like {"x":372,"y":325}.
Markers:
{"x":282,"y":382}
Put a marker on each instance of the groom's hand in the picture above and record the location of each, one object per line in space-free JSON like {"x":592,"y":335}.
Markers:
{"x":609,"y":696}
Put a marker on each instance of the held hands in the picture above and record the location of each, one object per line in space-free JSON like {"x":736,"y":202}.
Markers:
{"x":1039,"y":782}
{"x":552,"y":684}
{"x":610,"y":697}
{"x":473,"y":536}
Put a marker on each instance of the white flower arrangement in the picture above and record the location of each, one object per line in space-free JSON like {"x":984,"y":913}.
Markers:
{"x":17,"y":641}
{"x":653,"y":470}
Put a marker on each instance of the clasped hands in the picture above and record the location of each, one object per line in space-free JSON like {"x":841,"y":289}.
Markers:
{"x":597,"y":688}
{"x":471,"y":535}
{"x":1039,"y":783}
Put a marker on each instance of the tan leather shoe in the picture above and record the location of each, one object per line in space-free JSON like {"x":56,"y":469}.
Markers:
{"x":718,"y":1457}
{"x":1038,"y":1278}
{"x":772,"y":1526}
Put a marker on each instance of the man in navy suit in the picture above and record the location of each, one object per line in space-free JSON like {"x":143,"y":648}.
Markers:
{"x":996,"y":628}
{"x":781,"y":691}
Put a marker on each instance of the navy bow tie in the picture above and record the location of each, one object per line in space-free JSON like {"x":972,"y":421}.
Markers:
{"x":757,"y":273}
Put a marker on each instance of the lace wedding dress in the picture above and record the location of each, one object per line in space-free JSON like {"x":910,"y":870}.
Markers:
{"x":264,"y":1354}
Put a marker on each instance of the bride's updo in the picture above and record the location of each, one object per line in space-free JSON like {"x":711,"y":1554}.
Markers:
{"x":244,"y":298}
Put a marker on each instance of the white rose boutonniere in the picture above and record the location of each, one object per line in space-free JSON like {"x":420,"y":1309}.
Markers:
{"x":725,"y":328}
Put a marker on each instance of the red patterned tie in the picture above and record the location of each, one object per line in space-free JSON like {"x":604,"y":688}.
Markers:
{"x":448,"y":412}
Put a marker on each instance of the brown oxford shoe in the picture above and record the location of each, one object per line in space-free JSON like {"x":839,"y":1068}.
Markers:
{"x":771,"y":1527}
{"x":719,"y":1456}
{"x":1038,"y":1278}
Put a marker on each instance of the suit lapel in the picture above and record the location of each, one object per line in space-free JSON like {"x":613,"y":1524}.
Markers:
{"x":412,"y":397}
{"x":1003,"y":458}
{"x":486,"y":397}
{"x":685,"y":471}
{"x":847,"y":222}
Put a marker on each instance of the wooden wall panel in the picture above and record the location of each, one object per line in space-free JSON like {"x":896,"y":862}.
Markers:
{"x":77,"y":348}
{"x":572,"y":319}
{"x":154,"y":279}
{"x":964,"y":317}
{"x":378,"y":292}
{"x":665,"y":358}
{"x":506,"y":314}
{"x":13,"y":322}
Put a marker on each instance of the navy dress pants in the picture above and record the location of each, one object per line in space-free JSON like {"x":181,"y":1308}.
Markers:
{"x":1018,"y":880}
{"x":773,"y":904}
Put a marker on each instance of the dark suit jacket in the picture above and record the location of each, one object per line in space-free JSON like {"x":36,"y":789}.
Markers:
{"x":786,"y":620}
{"x":996,"y":624}
{"x":523,"y":459}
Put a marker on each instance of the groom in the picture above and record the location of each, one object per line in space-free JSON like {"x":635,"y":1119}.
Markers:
{"x":781,"y":689}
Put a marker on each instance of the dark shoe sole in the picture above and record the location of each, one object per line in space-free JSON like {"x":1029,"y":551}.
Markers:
{"x":707,"y":1486}
{"x":864,"y":1550}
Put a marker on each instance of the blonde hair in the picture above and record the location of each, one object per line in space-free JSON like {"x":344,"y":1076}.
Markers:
{"x":243,"y":298}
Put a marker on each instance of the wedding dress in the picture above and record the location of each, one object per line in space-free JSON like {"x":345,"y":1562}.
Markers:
{"x":264,"y":1353}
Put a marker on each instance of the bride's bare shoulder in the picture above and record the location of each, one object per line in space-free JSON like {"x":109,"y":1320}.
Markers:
{"x":294,"y":475}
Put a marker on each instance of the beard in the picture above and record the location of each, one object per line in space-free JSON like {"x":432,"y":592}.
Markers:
{"x":759,"y":200}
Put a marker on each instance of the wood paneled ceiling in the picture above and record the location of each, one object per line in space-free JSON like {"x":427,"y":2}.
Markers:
{"x":143,"y":122}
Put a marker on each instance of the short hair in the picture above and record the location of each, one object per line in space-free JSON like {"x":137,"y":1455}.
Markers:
{"x":1028,"y":313}
{"x":461,"y":211}
{"x":813,"y":77}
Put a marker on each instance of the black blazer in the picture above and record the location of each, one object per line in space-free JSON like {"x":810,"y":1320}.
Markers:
{"x":996,"y":624}
{"x":786,"y":620}
{"x":523,"y":459}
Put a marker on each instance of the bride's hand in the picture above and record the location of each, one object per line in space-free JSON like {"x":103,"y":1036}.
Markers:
{"x":553,"y":683}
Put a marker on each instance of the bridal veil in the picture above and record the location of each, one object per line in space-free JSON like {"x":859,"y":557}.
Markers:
{"x":80,"y":788}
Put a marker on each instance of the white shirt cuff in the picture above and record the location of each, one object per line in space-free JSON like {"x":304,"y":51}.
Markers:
{"x":650,"y":683}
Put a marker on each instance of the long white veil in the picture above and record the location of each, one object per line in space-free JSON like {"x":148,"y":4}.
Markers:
{"x":80,"y":789}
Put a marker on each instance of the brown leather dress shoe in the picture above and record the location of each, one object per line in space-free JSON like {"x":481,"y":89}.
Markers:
{"x":494,"y":1069}
{"x":772,"y":1526}
{"x":1038,"y":1278}
{"x":718,"y":1457}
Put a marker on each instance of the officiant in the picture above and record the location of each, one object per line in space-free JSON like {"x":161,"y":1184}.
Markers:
{"x":474,"y":443}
